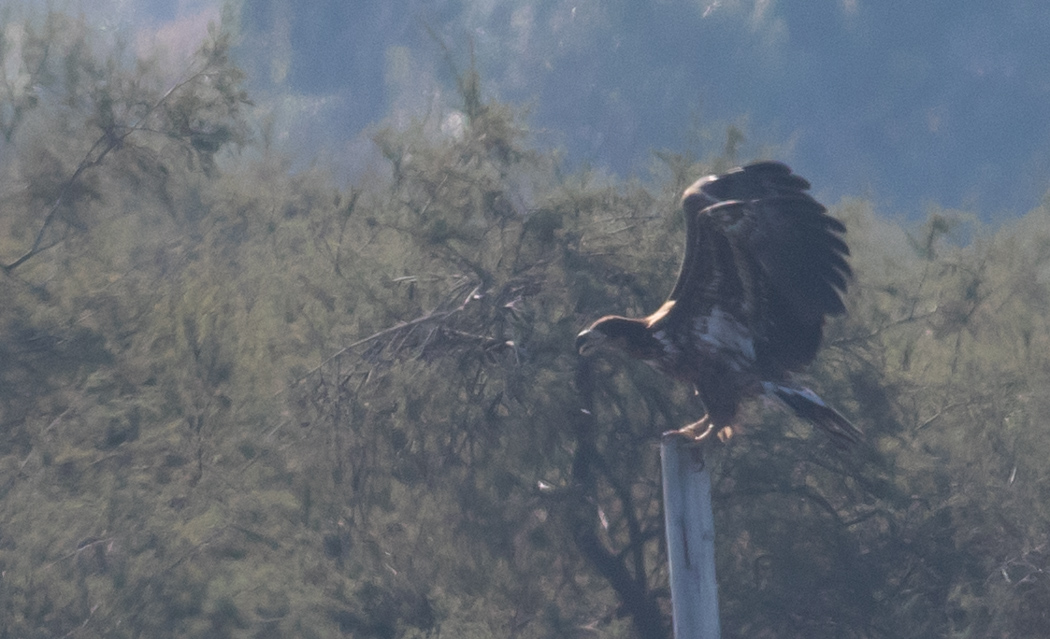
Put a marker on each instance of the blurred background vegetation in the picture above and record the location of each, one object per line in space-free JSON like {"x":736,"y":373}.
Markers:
{"x":238,"y":400}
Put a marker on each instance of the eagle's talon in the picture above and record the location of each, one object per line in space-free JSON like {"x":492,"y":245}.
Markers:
{"x":695,"y":434}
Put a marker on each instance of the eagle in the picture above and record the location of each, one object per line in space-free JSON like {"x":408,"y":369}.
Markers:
{"x":764,"y":265}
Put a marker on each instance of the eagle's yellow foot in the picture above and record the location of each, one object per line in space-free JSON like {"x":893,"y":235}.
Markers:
{"x":698,"y":432}
{"x":695,"y":433}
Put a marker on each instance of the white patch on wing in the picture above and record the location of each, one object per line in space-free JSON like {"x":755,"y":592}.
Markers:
{"x":668,"y":347}
{"x":772,"y":392}
{"x":725,"y":334}
{"x":771,"y":388}
{"x":770,"y":399}
{"x":810,"y":395}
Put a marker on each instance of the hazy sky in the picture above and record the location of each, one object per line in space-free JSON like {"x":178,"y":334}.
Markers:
{"x":940,"y":101}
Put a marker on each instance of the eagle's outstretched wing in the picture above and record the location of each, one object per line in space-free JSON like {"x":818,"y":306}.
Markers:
{"x":765,"y":253}
{"x":764,"y":264}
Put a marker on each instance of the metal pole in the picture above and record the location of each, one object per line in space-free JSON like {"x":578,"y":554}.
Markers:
{"x":690,"y":529}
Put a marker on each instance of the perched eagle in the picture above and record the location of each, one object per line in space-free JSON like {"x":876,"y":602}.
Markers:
{"x":764,"y":263}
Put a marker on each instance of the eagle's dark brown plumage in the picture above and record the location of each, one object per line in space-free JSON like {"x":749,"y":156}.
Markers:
{"x":764,"y":264}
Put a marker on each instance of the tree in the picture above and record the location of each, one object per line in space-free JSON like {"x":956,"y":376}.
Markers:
{"x":240,"y":400}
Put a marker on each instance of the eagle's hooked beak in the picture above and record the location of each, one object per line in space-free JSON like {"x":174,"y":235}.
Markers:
{"x":588,"y":341}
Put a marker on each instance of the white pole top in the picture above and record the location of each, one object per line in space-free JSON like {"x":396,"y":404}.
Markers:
{"x":690,"y":528}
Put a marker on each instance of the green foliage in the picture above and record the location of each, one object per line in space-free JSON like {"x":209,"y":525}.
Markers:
{"x":242,"y":402}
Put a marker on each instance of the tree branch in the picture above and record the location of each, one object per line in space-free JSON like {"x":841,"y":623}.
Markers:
{"x":109,"y":140}
{"x":630,"y":589}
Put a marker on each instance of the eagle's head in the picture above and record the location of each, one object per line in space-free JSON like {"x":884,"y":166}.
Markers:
{"x":629,"y":335}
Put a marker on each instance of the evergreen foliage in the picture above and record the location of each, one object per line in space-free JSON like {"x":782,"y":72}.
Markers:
{"x":238,"y":401}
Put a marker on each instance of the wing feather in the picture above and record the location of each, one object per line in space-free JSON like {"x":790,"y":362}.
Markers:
{"x":765,"y":252}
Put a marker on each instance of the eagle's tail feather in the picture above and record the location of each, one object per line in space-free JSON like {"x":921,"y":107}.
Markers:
{"x":809,"y":406}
